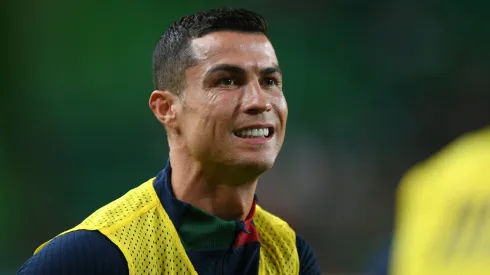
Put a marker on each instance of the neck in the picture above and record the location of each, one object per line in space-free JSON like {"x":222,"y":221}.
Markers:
{"x":212,"y":188}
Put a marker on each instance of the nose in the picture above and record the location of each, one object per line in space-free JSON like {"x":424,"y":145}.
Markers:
{"x":256,"y":100}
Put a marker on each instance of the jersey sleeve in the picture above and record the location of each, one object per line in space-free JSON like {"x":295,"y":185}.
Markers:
{"x":307,"y":260}
{"x":77,"y":252}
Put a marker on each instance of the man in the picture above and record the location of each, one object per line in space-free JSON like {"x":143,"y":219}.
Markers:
{"x":443,"y":213}
{"x":218,"y":93}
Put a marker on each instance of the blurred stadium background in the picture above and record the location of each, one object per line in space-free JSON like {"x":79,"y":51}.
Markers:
{"x":373,"y":87}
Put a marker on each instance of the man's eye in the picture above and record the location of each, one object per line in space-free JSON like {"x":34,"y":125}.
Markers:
{"x":226,"y":82}
{"x":271,"y":81}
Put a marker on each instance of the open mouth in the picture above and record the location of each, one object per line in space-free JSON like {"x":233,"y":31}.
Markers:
{"x":265,"y":132}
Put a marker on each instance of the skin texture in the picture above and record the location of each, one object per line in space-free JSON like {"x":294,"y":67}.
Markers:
{"x":235,"y":83}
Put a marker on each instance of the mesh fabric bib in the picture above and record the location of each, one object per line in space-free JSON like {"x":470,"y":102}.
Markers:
{"x":138,"y":224}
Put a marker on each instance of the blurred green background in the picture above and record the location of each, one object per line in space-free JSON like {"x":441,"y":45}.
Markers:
{"x":373,"y":87}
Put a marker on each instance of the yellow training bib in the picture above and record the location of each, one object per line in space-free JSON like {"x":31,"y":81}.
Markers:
{"x":139,"y":226}
{"x":443,"y":212}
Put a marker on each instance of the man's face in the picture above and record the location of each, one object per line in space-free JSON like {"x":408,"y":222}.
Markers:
{"x":234,"y":111}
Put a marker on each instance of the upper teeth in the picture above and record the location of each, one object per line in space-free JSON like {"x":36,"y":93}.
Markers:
{"x":255,"y":132}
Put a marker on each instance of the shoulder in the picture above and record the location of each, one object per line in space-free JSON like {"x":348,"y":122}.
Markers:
{"x":77,"y":252}
{"x":463,"y":160}
{"x":307,"y":259}
{"x":469,"y":150}
{"x":123,"y":210}
{"x":269,"y":224}
{"x":308,"y":262}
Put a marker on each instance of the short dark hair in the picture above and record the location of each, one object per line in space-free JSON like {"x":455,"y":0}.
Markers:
{"x":172,"y":54}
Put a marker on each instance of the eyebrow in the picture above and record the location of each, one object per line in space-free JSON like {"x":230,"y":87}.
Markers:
{"x":238,"y":70}
{"x":271,"y":70}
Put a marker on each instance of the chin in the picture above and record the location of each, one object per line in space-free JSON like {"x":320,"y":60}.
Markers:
{"x":258,"y":165}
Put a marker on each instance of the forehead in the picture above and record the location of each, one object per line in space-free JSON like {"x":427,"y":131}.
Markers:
{"x":244,"y":49}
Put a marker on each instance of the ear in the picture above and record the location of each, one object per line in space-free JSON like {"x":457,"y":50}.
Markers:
{"x":164,"y":107}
